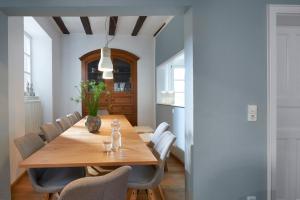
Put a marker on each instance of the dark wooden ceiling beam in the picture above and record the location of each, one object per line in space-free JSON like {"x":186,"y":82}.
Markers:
{"x":61,"y":25}
{"x":159,"y":29}
{"x":86,"y":25}
{"x":113,"y":25}
{"x":138,"y":25}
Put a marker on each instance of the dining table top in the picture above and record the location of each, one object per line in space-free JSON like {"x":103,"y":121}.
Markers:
{"x":76,"y":147}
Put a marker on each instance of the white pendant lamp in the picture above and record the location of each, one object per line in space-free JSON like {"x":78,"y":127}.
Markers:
{"x":107,"y":75}
{"x":105,"y":63}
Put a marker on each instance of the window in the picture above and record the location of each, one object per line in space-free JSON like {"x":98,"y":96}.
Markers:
{"x":178,"y":85}
{"x":170,"y":81}
{"x":27,"y":60}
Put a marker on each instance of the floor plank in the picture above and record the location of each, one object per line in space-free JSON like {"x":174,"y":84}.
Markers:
{"x":173,"y":185}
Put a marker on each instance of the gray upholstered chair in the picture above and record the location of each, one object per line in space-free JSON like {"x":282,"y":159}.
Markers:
{"x":50,"y":131}
{"x":78,"y":115}
{"x":46,"y":180}
{"x":153,"y":138}
{"x":162,"y":127}
{"x":72,"y":118}
{"x":112,"y":186}
{"x":64,"y":123}
{"x":149,"y":177}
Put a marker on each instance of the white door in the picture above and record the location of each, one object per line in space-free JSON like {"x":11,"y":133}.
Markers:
{"x":288,"y":118}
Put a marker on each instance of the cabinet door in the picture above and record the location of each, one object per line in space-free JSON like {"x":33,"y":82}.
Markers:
{"x":121,"y":96}
{"x":93,"y":73}
{"x":122,"y":81}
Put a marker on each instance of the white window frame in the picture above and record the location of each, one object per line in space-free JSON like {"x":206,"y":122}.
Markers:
{"x":30,"y":57}
{"x":169,"y":67}
{"x":172,"y":81}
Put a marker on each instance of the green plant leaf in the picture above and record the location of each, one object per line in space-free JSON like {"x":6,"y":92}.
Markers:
{"x":89,"y":95}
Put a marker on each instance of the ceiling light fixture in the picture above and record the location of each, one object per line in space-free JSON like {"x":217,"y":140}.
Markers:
{"x":105,"y":64}
{"x":107,"y":75}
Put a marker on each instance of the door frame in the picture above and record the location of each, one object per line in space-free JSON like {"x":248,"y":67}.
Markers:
{"x":272,"y":12}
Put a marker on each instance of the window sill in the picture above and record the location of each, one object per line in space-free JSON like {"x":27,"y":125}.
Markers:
{"x":31,"y":98}
{"x":173,"y":105}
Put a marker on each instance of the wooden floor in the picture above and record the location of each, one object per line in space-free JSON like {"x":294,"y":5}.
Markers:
{"x":173,"y":185}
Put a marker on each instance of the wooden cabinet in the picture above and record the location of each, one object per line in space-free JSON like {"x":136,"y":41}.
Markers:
{"x":121,"y":96}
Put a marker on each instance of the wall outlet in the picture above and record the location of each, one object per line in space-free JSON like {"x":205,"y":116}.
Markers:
{"x":251,"y":197}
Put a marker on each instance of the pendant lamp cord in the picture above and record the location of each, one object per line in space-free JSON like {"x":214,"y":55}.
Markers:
{"x":106,"y":33}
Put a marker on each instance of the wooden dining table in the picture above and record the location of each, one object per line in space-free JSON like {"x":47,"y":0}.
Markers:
{"x":77,"y":147}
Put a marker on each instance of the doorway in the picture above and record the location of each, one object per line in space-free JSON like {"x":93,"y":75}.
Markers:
{"x":283,"y":103}
{"x":177,"y":172}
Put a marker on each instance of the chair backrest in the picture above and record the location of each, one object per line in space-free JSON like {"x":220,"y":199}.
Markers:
{"x":103,"y":112}
{"x":50,"y":131}
{"x":112,"y":186}
{"x":162,"y":127}
{"x":161,"y":151}
{"x":64,"y":123}
{"x":78,"y":115}
{"x":163,"y":147}
{"x":28,"y":144}
{"x":72,"y":118}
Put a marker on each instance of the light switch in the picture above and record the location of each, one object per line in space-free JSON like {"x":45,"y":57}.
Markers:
{"x":252,"y":113}
{"x":251,"y":197}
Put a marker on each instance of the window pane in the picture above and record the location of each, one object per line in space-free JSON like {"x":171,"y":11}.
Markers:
{"x":27,"y":44}
{"x":179,"y":73}
{"x":179,"y":99}
{"x":27,"y":63}
{"x":26,"y":80}
{"x":161,"y":83}
{"x":179,"y":86}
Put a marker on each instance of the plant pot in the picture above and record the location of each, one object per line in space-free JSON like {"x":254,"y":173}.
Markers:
{"x":93,"y":123}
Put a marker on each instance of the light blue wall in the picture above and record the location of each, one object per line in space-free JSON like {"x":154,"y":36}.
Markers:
{"x":230,"y":71}
{"x":230,"y":65}
{"x":4,"y":132}
{"x":170,"y":40}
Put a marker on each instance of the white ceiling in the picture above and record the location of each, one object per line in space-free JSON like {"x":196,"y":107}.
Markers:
{"x":125,"y":24}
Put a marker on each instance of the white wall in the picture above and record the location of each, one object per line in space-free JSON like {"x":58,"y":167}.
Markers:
{"x":46,"y":62}
{"x":51,"y":29}
{"x":16,"y":81}
{"x":16,"y":90}
{"x":76,"y":45}
{"x":42,"y":73}
{"x":41,"y":65}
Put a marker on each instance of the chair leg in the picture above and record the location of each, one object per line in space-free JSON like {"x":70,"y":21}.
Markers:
{"x":131,"y":194}
{"x":156,"y":194}
{"x":161,"y":192}
{"x":151,"y":194}
{"x":166,"y":167}
{"x":47,"y":197}
{"x":53,"y":196}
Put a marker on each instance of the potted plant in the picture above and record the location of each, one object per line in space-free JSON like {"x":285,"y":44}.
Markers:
{"x":90,"y":92}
